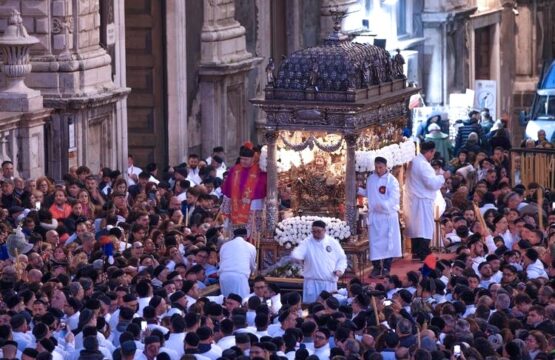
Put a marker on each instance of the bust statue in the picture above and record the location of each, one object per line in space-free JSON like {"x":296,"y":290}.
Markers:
{"x":317,"y":190}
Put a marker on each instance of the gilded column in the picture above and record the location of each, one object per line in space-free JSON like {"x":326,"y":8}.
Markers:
{"x":272,"y":194}
{"x":350,"y":183}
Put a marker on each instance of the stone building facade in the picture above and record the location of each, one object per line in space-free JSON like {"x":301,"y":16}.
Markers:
{"x":162,"y":79}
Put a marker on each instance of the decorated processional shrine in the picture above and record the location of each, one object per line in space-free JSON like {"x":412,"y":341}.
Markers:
{"x":331,"y":109}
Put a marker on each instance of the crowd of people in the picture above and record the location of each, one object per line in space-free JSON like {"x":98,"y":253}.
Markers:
{"x":123,"y":266}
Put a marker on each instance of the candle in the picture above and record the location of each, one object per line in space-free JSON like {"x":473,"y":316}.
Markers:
{"x":417,"y":147}
{"x":436,"y":212}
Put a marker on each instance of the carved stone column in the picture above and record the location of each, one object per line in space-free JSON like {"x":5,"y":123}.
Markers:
{"x":272,"y":217}
{"x":352,"y":20}
{"x":351,"y":213}
{"x":263,"y":49}
{"x":74,"y":74}
{"x":223,"y":71}
{"x":15,"y":44}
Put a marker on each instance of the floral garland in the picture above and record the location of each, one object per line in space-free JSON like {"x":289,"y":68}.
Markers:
{"x":291,"y":231}
{"x":396,"y":154}
{"x":310,"y":142}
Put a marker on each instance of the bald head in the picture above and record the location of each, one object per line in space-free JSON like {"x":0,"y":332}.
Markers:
{"x":35,"y":276}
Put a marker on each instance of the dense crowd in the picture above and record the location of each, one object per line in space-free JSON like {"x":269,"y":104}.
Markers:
{"x":105,"y":266}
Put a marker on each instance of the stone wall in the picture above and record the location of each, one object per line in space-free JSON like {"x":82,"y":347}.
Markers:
{"x":74,"y":75}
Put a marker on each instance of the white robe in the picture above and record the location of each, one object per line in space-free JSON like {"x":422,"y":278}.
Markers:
{"x":421,"y":190}
{"x":321,"y":258}
{"x":383,"y":216}
{"x":237,"y":260}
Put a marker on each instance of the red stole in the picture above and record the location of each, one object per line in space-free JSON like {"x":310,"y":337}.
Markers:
{"x":241,"y":200}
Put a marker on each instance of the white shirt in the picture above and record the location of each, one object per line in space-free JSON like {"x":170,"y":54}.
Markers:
{"x":176,"y":342}
{"x":172,"y":352}
{"x":143,"y":302}
{"x":476,"y":262}
{"x":323,"y":353}
{"x":22,"y":339}
{"x":132,"y":170}
{"x":275,"y":330}
{"x":421,"y":190}
{"x":423,"y":182}
{"x":238,"y":255}
{"x":486,"y":207}
{"x":536,"y":270}
{"x":226,"y":342}
{"x":214,"y":353}
{"x":470,"y":310}
{"x":194,"y":177}
{"x":321,"y":258}
{"x":73,"y":321}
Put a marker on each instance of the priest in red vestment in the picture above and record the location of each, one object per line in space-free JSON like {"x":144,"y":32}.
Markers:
{"x":244,"y":191}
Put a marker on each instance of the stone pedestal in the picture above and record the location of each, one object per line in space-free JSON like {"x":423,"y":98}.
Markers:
{"x":15,"y":44}
{"x":23,"y":117}
{"x":31,"y":157}
{"x":223,"y":69}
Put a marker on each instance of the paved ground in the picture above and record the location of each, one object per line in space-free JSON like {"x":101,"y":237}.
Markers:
{"x":401,"y":267}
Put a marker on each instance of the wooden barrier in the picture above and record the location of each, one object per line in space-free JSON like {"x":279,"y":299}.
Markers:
{"x":534,"y":165}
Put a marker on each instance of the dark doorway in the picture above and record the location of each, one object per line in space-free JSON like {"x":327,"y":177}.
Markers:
{"x":146,"y":111}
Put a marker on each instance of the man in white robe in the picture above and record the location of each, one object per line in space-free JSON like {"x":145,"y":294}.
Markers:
{"x":324,"y":262}
{"x":383,"y":193}
{"x":421,"y":189}
{"x":237,"y":261}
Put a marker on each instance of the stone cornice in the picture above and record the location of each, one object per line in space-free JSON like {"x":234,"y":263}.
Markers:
{"x":82,"y":62}
{"x":229,"y":68}
{"x":91,"y":101}
{"x":13,"y":120}
{"x":36,"y":118}
{"x":440,"y":17}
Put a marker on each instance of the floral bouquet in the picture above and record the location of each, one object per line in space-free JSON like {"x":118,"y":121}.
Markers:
{"x":284,"y":268}
{"x":290,"y":232}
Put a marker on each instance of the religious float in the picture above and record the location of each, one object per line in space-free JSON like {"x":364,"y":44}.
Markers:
{"x":331,"y":109}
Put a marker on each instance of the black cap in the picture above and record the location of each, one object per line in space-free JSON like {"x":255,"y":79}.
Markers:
{"x":235,"y":297}
{"x":40,"y":330}
{"x":176,"y":296}
{"x":48,"y":344}
{"x":151,"y":340}
{"x":242,"y":338}
{"x":319,"y":223}
{"x":128,"y":347}
{"x":380,"y":160}
{"x":182,"y":171}
{"x":30,"y":352}
{"x":17,"y":320}
{"x":246,"y":151}
{"x":427,"y":146}
{"x":240,"y":232}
